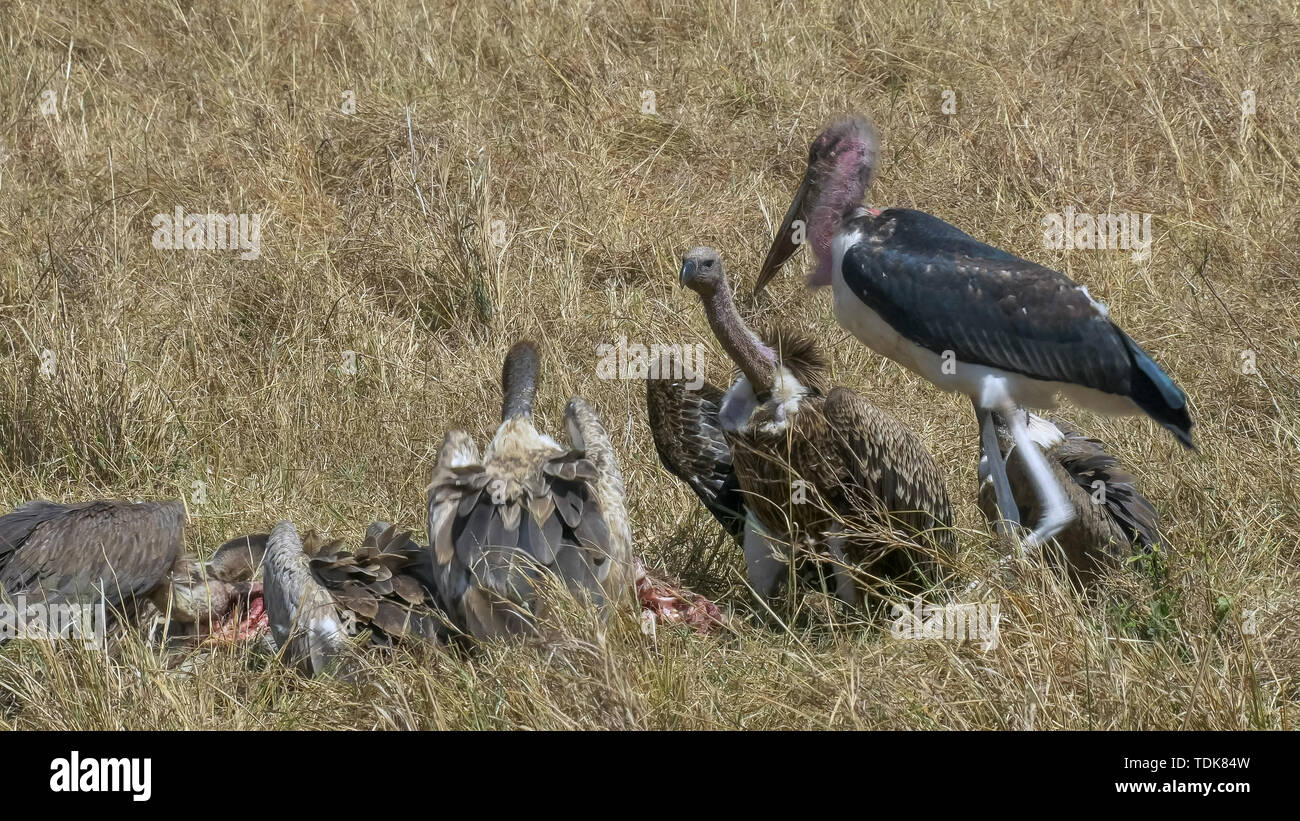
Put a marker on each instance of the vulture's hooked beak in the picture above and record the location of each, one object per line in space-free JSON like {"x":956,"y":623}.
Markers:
{"x":688,"y":272}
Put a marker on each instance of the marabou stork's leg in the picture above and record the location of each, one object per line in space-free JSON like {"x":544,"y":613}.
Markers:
{"x":997,"y":471}
{"x":1057,"y":510}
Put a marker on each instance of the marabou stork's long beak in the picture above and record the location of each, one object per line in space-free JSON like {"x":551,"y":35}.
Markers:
{"x":789,"y":237}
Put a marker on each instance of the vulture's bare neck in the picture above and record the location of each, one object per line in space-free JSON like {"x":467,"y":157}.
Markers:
{"x":519,"y":382}
{"x":755,"y":360}
{"x":517,"y":439}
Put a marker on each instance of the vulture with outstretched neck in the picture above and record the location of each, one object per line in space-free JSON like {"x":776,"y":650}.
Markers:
{"x":819,"y":468}
{"x":528,"y":508}
{"x":320,"y":595}
{"x":1112,"y":518}
{"x":123,"y":553}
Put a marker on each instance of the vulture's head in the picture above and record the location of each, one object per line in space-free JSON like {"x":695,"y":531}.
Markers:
{"x":702,"y":271}
{"x":199,"y":604}
{"x":223,"y":597}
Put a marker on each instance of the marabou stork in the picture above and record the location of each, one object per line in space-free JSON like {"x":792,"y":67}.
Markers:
{"x":966,"y":316}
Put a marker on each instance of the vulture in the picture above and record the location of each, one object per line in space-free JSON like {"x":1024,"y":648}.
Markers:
{"x":527,"y":510}
{"x":320,"y":595}
{"x":818,"y":468}
{"x":968,"y":317}
{"x":123,"y":553}
{"x":1111,"y":519}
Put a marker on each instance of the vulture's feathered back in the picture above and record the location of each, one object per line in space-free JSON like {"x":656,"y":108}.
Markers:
{"x":527,"y":508}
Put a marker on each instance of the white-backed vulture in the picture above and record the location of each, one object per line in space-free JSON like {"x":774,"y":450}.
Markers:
{"x":319,"y":595}
{"x":819,"y":468}
{"x":125,"y":553}
{"x":528,"y":507}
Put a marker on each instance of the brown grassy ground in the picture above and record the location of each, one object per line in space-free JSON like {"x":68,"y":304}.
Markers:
{"x":176,"y":367}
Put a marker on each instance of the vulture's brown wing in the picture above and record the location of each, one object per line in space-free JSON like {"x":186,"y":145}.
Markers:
{"x":612,"y":554}
{"x":16,"y":530}
{"x":457,"y":460}
{"x":688,"y":437}
{"x":385,"y":584}
{"x":883,"y":457}
{"x":1087,"y":462}
{"x":69,"y":552}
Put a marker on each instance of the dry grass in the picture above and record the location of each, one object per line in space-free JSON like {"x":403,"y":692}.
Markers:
{"x":177,"y":367}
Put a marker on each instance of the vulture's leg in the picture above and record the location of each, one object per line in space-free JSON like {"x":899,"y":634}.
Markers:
{"x":845,"y":587}
{"x":1057,"y":510}
{"x":998,"y":471}
{"x":766,"y":570}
